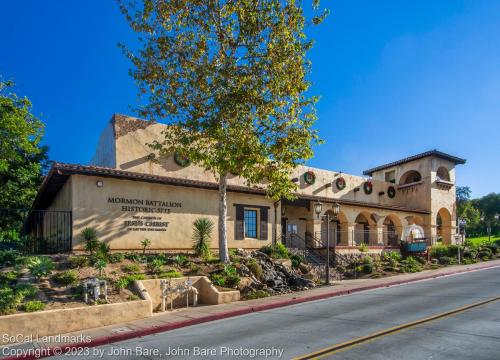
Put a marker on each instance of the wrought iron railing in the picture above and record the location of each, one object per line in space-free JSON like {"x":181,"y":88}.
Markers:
{"x":357,"y":237}
{"x":36,"y":231}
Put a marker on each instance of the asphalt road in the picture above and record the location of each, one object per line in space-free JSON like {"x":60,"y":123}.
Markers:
{"x":306,"y":328}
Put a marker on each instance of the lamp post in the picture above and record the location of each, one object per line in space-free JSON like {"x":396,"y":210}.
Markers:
{"x":318,"y":208}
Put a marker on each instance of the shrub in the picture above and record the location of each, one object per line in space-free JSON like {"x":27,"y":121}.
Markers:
{"x":26,"y":290}
{"x":33,"y":305}
{"x":296,"y":260}
{"x":194,"y":268}
{"x":131,"y":268}
{"x":40,"y":266}
{"x":257,"y":294}
{"x":484,"y":253}
{"x":90,"y":237}
{"x":363,"y":248}
{"x":279,"y":251}
{"x":267,"y":249}
{"x":66,"y":278}
{"x":202,"y":230}
{"x":9,"y":300}
{"x":421,"y":260}
{"x":470,"y":254}
{"x":121,"y":284}
{"x":367,"y":260}
{"x":129,"y":279}
{"x":411,"y":265}
{"x":493,"y":247}
{"x":438,"y":251}
{"x":230,"y":273}
{"x":367,"y":268}
{"x":391,"y":255}
{"x":145,"y":243}
{"x":445,"y":260}
{"x":161,"y":257}
{"x":155,"y":266}
{"x":100,"y":265}
{"x":78,"y":261}
{"x":170,"y":274}
{"x":133,"y":297}
{"x":218,"y":279}
{"x":8,"y":277}
{"x":8,"y":257}
{"x":255,"y":268}
{"x":181,"y":260}
{"x":133,"y":257}
{"x":116,"y":258}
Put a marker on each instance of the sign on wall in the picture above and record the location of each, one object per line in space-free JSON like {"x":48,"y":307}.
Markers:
{"x":145,"y":222}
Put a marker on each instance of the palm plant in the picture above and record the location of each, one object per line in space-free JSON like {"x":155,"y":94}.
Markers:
{"x":202,"y":229}
{"x":91,"y":242}
{"x":145,"y":243}
{"x":100,"y":265}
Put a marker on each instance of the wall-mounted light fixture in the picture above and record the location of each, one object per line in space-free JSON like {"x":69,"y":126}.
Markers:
{"x":99,"y":183}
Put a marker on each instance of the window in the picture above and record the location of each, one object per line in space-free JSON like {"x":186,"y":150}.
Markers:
{"x":250,"y":220}
{"x":410,"y":177}
{"x":390,"y":176}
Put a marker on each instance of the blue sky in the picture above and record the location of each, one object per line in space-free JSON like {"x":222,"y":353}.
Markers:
{"x":395,"y":78}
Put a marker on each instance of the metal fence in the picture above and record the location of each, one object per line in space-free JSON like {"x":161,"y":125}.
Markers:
{"x":36,"y":231}
{"x":368,"y":237}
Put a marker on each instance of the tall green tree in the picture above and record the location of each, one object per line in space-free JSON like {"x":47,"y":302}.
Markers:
{"x":22,"y":157}
{"x":230,"y":77}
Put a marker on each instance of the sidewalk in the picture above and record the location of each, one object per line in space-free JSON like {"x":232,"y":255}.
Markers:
{"x":161,"y":322}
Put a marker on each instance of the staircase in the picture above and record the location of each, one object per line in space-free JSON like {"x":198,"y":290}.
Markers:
{"x":311,"y":248}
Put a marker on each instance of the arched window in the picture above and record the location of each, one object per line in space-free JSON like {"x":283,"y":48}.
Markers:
{"x":409,"y":177}
{"x":443,"y":174}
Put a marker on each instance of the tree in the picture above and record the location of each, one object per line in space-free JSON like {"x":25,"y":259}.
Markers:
{"x":229,"y":77}
{"x":23,"y":159}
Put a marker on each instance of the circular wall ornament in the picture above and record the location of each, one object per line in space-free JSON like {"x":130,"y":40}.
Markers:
{"x":340,"y":183}
{"x":309,"y":177}
{"x":368,"y":187}
{"x":181,"y":160}
{"x":391,"y":191}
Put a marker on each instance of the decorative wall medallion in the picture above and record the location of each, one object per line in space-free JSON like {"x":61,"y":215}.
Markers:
{"x":309,"y":177}
{"x":368,"y":187}
{"x":340,"y":183}
{"x":181,"y":160}
{"x":391,"y":191}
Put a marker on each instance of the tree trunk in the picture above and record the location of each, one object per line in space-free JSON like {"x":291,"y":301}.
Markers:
{"x":223,"y":250}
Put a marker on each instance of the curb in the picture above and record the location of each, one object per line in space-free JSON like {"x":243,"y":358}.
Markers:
{"x":104,"y":340}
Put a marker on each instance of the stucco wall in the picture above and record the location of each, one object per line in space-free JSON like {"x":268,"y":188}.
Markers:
{"x":132,"y":154}
{"x":63,"y":199}
{"x":207,"y":293}
{"x":105,"y":154}
{"x":93,"y":209}
{"x":62,"y":321}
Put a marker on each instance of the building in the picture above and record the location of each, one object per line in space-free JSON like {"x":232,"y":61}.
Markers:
{"x":127,"y":197}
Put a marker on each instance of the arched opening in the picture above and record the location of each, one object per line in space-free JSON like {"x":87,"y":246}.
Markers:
{"x":364,"y":231}
{"x":413,"y":232}
{"x":443,"y":226}
{"x":337,"y":229}
{"x":410,"y":177}
{"x":443,"y":174}
{"x":392,"y":230}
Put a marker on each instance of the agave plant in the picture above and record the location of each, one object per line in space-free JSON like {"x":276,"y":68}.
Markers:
{"x":202,"y":230}
{"x":40,"y":266}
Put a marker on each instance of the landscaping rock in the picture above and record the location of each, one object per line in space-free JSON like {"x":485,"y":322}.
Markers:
{"x":277,"y":277}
